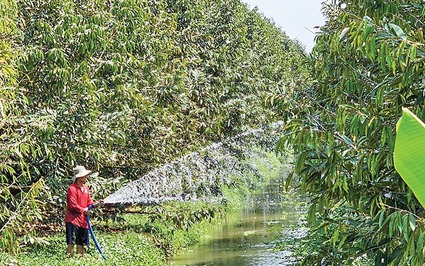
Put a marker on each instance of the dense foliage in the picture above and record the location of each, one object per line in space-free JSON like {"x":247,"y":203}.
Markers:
{"x":368,"y":63}
{"x":121,"y":86}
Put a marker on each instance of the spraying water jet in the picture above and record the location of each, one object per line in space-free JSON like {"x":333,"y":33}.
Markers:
{"x":198,"y":175}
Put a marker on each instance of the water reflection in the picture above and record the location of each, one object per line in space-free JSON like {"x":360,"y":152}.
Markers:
{"x":248,"y":236}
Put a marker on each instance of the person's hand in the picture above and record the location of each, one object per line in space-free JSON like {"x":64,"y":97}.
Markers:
{"x":86,"y":211}
{"x":102,"y":202}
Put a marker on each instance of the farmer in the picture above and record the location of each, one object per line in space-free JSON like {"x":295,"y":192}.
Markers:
{"x":77,"y":202}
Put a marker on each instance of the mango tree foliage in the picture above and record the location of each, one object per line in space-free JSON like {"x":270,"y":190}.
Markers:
{"x":121,"y":86}
{"x":368,"y":64}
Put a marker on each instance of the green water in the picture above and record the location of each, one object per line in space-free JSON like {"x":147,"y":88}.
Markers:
{"x":247,"y":237}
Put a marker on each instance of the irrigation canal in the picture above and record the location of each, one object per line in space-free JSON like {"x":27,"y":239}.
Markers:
{"x":248,"y":236}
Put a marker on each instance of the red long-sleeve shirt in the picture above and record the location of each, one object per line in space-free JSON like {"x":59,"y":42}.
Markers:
{"x":77,"y":199}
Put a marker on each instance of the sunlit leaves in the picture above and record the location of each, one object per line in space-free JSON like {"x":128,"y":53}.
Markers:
{"x":122,"y":86}
{"x":407,"y":157}
{"x":368,"y":64}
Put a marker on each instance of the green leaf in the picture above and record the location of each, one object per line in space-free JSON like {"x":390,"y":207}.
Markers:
{"x":409,"y":154}
{"x":420,"y":243}
{"x":398,"y":31}
{"x":405,"y":228}
{"x":412,"y":222}
{"x":343,"y":32}
{"x":381,"y":218}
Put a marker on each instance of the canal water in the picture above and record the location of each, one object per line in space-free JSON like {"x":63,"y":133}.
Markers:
{"x":248,"y":236}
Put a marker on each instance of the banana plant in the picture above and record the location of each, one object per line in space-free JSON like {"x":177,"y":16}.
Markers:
{"x":409,"y":153}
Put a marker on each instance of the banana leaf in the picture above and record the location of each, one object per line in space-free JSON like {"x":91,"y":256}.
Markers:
{"x":409,"y":153}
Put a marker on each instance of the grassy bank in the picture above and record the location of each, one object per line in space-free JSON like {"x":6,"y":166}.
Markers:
{"x":149,"y":237}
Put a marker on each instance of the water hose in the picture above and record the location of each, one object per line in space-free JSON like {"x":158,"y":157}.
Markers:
{"x":91,"y":231}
